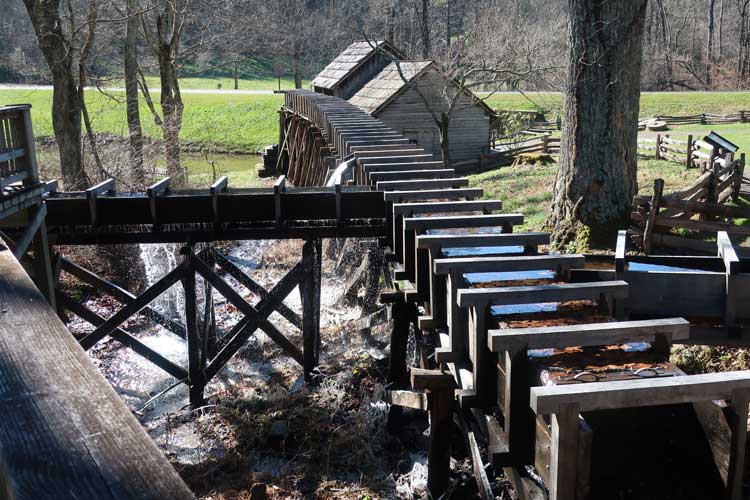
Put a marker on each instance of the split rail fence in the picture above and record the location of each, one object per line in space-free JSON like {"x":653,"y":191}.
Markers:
{"x":701,"y":119}
{"x":702,"y":208}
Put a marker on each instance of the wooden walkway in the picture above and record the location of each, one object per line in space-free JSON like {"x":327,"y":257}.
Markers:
{"x":65,"y":433}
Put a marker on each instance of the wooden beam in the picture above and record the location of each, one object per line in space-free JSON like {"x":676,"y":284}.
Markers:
{"x":35,"y":222}
{"x":434,"y":380}
{"x":93,"y":192}
{"x":591,"y":334}
{"x":408,"y":399}
{"x":646,"y":392}
{"x":541,"y":293}
{"x":217,"y":187}
{"x":67,"y":433}
{"x":310,"y":291}
{"x":133,"y":307}
{"x":505,"y":264}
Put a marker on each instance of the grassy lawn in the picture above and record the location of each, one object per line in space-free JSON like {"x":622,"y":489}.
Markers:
{"x":222,"y":122}
{"x":652,"y":103}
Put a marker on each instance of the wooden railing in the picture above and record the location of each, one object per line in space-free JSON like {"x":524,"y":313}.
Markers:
{"x":706,"y":197}
{"x":17,"y":151}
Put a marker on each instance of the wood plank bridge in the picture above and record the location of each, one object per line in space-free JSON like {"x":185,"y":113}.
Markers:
{"x":463,"y":278}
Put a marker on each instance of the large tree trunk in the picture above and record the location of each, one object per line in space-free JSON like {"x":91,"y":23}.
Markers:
{"x":135,"y":133}
{"x":596,"y":177}
{"x":66,"y":105}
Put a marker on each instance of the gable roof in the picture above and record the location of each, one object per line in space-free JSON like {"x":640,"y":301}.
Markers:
{"x":349,"y":60}
{"x":388,"y":84}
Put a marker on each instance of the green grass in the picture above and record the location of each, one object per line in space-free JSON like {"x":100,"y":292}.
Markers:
{"x":652,"y":103}
{"x":227,"y":83}
{"x":222,"y":122}
{"x":528,"y":189}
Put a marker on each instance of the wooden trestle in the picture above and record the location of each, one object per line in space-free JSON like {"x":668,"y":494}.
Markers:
{"x":483,"y":374}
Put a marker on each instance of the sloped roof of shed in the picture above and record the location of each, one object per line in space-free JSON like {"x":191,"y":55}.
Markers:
{"x":386,"y":85}
{"x":349,"y":60}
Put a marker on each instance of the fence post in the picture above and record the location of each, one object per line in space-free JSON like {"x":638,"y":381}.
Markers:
{"x":742,"y":117}
{"x":657,"y":154}
{"x":739,"y":173}
{"x":545,"y":145}
{"x":689,"y":162}
{"x":703,"y":118}
{"x":652,"y":213}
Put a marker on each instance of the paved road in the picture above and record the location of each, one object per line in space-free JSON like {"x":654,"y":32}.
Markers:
{"x":4,"y":86}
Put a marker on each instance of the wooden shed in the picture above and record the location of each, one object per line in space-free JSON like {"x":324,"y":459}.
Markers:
{"x":354,"y":67}
{"x":398,"y":104}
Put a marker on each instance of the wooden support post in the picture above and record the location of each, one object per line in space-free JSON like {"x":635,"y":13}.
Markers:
{"x":731,"y":266}
{"x":397,"y":371}
{"x":310,"y":290}
{"x":739,"y":174}
{"x":195,"y":371}
{"x":482,"y":359}
{"x":652,"y":213}
{"x":278,"y":188}
{"x":519,"y":419}
{"x":622,"y":240}
{"x":737,"y":414}
{"x":43,"y":275}
{"x":689,"y":159}
{"x":217,"y":187}
{"x":440,"y":401}
{"x":564,"y":460}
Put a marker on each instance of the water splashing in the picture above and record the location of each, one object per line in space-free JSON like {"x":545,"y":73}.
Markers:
{"x":160,"y":259}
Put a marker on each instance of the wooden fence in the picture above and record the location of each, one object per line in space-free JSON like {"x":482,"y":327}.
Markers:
{"x":17,"y":153}
{"x":691,"y":153}
{"x":705,"y":198}
{"x":700,"y":119}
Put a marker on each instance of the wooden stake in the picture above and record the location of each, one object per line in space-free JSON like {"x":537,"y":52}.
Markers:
{"x":310,"y":290}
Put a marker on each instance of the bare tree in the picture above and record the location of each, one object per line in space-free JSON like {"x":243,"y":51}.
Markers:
{"x":130,"y":52}
{"x":60,"y":45}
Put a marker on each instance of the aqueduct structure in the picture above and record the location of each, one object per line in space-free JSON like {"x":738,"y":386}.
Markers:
{"x":544,"y":362}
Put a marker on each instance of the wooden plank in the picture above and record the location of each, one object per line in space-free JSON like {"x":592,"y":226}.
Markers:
{"x":653,"y":212}
{"x":78,"y":440}
{"x":461,"y":221}
{"x":458,"y":182}
{"x":506,"y":264}
{"x":447,"y":206}
{"x":597,"y":334}
{"x":468,"y":297}
{"x":408,"y":399}
{"x":396,"y":175}
{"x":436,"y":194}
{"x":564,"y":460}
{"x":633,"y":393}
{"x":385,"y":167}
{"x":434,"y":380}
{"x":310,"y":291}
{"x":737,"y":456}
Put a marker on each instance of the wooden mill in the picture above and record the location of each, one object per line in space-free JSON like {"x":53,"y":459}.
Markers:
{"x":553,"y":368}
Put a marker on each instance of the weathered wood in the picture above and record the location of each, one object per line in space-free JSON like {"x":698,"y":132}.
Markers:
{"x":462,"y":221}
{"x":738,"y":411}
{"x":35,"y":223}
{"x":458,"y":182}
{"x":439,"y":450}
{"x":485,"y":206}
{"x":433,"y":194}
{"x":310,"y":291}
{"x":564,"y":460}
{"x":131,"y":308}
{"x":652,"y":214}
{"x":646,"y":392}
{"x":596,"y":334}
{"x":541,"y":293}
{"x":505,"y":264}
{"x":434,"y":380}
{"x":197,"y":380}
{"x":79,"y":440}
{"x":408,"y":399}
{"x":255,"y":317}
{"x":233,"y":270}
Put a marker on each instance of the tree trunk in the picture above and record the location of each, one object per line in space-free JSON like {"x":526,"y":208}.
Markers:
{"x":596,"y":177}
{"x":66,"y":105}
{"x":135,"y":133}
{"x":425,"y":29}
{"x":171,"y":104}
{"x":444,"y":127}
{"x":296,"y":69}
{"x":448,"y":23}
{"x":710,"y":42}
{"x":236,"y":76}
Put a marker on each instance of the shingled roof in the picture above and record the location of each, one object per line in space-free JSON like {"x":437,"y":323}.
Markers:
{"x":381,"y":90}
{"x":386,"y":85}
{"x":349,"y":60}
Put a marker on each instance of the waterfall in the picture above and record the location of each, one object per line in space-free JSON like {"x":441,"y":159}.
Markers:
{"x":159,"y":259}
{"x":340,"y":173}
